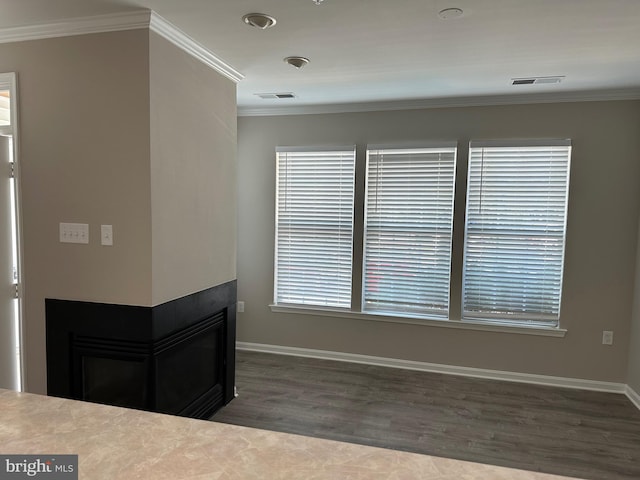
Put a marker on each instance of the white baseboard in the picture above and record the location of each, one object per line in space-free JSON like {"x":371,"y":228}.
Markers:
{"x":633,"y":396}
{"x":448,"y":369}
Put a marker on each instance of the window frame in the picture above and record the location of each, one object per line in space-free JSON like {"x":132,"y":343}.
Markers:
{"x":532,"y":320}
{"x":277,"y":286}
{"x":424,"y":148}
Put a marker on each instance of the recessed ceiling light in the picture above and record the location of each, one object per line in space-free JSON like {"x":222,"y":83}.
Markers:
{"x":272,"y":96}
{"x":537,"y":80}
{"x":297,"y":62}
{"x":449,"y":13}
{"x":259,"y":20}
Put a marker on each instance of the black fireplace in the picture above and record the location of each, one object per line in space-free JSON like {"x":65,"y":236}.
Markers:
{"x":176,"y":358}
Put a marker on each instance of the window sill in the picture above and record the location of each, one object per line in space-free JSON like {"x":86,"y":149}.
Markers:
{"x":429,"y":322}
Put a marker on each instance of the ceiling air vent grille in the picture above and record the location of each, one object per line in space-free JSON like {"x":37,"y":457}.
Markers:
{"x":536,"y":80}
{"x":271,"y":96}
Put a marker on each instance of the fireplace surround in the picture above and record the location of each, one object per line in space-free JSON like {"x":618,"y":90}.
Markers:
{"x":176,"y":358}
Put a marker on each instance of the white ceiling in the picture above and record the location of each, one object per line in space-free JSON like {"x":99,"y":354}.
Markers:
{"x":365,"y":51}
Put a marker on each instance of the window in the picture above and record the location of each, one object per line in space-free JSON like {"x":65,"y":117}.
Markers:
{"x":515,"y":231}
{"x":314,"y":226}
{"x":408,"y":229}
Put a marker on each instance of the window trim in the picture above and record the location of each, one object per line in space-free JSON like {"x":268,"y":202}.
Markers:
{"x":543,"y":331}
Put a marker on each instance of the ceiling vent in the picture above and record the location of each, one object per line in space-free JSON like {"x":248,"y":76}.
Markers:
{"x":271,"y":96}
{"x":536,"y":80}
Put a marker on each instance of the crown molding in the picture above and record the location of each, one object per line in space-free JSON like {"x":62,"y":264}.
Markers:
{"x":448,"y":102}
{"x":181,"y":40}
{"x":114,"y":22}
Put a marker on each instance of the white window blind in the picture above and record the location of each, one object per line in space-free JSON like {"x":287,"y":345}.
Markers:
{"x":408,"y":229}
{"x":314,"y":226}
{"x":515,"y":231}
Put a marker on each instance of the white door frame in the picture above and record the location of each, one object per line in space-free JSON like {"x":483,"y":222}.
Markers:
{"x":8,"y":81}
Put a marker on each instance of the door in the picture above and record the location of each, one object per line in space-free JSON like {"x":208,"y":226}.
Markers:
{"x":10,"y":353}
{"x":8,"y":275}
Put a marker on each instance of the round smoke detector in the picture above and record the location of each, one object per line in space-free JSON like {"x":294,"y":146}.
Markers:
{"x":449,"y":13}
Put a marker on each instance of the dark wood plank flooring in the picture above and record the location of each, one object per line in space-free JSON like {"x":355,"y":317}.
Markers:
{"x":590,"y":435}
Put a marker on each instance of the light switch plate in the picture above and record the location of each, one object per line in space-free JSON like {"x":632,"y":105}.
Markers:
{"x":106,"y":235}
{"x":74,"y":233}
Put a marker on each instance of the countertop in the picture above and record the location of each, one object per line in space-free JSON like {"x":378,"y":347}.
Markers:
{"x":119,"y":443}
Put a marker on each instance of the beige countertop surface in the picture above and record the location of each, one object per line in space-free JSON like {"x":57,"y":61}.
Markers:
{"x":119,"y":443}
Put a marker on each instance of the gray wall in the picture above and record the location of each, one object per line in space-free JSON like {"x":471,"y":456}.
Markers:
{"x":634,"y":344}
{"x":601,"y":239}
{"x":83,"y":103}
{"x":124,"y":129}
{"x":193,"y":172}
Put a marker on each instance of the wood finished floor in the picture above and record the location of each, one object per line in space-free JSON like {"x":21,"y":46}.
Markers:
{"x":589,"y":435}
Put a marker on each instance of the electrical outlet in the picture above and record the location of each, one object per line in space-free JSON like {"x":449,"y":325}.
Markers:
{"x":607,"y":337}
{"x":240,"y":307}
